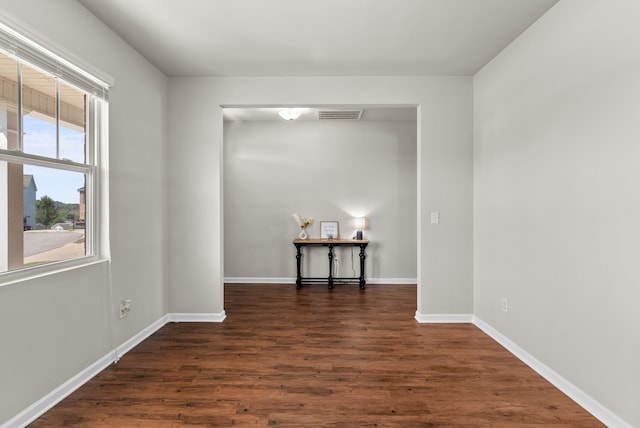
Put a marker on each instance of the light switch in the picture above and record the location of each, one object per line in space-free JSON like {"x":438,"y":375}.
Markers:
{"x":435,"y":217}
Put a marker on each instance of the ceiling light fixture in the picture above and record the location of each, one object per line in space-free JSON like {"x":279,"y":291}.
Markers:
{"x":290,"y":113}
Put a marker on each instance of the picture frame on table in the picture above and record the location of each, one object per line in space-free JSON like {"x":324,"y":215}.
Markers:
{"x":329,"y":230}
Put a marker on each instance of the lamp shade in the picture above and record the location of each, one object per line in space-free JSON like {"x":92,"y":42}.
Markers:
{"x":361,"y":223}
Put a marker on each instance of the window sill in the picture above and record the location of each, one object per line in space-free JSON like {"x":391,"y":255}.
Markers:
{"x":29,"y":273}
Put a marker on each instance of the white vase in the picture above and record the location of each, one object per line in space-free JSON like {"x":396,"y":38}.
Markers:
{"x":303,"y":234}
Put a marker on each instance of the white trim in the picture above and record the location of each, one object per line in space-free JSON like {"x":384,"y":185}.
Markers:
{"x":256,"y":280}
{"x":592,"y":406}
{"x":392,"y":281}
{"x":41,"y":406}
{"x":31,"y":37}
{"x":584,"y":400}
{"x":140,"y":337}
{"x":443,"y":318}
{"x":219,"y":317}
{"x":29,"y":273}
{"x":38,"y":408}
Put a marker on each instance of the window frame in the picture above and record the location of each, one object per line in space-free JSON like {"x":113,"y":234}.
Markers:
{"x":24,"y":51}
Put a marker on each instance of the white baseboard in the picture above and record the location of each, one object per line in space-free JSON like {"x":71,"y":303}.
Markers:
{"x":592,"y":406}
{"x":255,"y":280}
{"x":140,"y":337}
{"x":219,"y":317}
{"x":54,"y":397}
{"x":393,"y":281}
{"x":41,"y":406}
{"x":443,"y":318}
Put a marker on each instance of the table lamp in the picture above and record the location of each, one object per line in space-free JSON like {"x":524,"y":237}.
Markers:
{"x":360,"y":225}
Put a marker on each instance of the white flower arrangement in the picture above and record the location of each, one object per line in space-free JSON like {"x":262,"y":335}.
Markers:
{"x":303,"y":223}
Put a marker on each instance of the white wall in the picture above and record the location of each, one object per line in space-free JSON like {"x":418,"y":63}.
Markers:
{"x":327,"y":170}
{"x":53,"y":327}
{"x":557,"y":207}
{"x":444,"y":184}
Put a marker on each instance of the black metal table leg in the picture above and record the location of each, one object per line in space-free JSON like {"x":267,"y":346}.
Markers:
{"x":298,"y":258}
{"x":330,"y":266}
{"x":362,"y":257}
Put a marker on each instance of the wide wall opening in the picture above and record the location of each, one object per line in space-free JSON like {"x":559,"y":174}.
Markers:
{"x":331,"y":164}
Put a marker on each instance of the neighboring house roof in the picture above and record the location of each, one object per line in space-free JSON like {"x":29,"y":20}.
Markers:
{"x":27,"y":179}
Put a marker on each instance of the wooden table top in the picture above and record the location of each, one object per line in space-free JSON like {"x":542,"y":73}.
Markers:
{"x":331,"y":241}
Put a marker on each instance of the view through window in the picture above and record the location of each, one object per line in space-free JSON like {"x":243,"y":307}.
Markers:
{"x":47,"y":166}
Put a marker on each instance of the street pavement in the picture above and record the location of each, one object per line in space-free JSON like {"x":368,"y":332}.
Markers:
{"x":40,"y":241}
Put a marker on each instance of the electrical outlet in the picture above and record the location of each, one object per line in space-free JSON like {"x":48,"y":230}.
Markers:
{"x":505,"y":305}
{"x":125,"y":308}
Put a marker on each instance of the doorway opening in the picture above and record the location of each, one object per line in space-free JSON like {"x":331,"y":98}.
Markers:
{"x":333,"y":169}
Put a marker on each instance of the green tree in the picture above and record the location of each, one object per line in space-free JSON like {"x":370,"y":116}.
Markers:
{"x":67,"y":212}
{"x":46,"y":211}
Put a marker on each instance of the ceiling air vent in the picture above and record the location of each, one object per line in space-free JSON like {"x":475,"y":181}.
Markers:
{"x":339,"y":114}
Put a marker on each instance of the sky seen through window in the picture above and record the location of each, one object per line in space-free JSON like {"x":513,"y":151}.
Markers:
{"x":40,"y":139}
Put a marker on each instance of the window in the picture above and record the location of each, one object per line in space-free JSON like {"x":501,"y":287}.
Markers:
{"x":51,"y":114}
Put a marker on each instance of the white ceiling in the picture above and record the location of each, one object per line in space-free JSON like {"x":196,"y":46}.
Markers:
{"x":318,"y":38}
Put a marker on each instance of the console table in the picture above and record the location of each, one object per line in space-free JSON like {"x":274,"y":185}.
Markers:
{"x":330,"y":244}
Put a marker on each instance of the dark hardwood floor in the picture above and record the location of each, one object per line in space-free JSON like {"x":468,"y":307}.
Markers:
{"x":318,"y":358}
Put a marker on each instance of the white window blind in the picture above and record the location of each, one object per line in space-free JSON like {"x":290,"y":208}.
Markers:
{"x":15,"y":45}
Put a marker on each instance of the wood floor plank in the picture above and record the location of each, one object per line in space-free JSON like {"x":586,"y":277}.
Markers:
{"x":318,"y":358}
